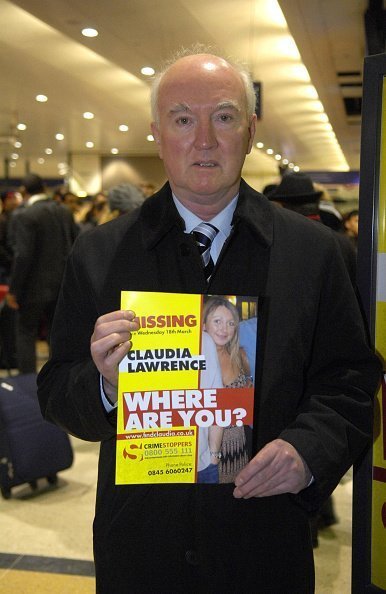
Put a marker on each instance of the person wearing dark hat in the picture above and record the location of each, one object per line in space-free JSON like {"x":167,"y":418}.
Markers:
{"x":296,"y":192}
{"x":42,"y":239}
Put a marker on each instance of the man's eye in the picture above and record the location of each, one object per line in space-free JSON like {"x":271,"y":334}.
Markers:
{"x":225,"y":117}
{"x":183,"y":120}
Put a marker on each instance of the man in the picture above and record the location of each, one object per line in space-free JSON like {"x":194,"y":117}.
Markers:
{"x":315,"y":374}
{"x":42,"y":235}
{"x":297,"y":192}
{"x":351,"y":225}
{"x":10,"y":200}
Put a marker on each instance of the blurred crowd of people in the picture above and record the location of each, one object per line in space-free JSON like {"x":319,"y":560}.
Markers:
{"x":37,"y":230}
{"x":32,"y":266}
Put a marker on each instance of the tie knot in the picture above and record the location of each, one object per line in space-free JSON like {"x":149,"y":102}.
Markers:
{"x":204,"y":234}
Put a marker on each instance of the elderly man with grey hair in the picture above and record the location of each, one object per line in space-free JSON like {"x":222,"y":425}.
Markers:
{"x":315,"y":373}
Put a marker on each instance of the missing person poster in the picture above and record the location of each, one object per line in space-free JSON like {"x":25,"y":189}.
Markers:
{"x":186,"y":388}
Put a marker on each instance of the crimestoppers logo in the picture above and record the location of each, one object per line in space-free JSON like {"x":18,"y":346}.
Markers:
{"x":133,"y":456}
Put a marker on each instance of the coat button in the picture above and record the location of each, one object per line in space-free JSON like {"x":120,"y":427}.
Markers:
{"x":191,"y":557}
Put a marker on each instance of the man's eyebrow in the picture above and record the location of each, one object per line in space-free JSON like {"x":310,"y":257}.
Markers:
{"x":183,"y":107}
{"x":178,"y":108}
{"x":228,"y":105}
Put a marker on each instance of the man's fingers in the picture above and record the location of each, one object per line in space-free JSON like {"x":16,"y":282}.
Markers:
{"x":111,"y":341}
{"x":114,"y":322}
{"x":277,"y":468}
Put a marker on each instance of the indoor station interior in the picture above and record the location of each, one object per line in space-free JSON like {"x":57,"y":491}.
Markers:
{"x":75,"y":110}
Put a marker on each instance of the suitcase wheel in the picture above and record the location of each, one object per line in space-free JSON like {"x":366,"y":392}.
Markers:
{"x":5,"y":493}
{"x":52,"y":479}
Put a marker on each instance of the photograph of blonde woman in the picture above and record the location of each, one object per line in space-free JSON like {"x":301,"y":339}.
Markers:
{"x":221,"y":322}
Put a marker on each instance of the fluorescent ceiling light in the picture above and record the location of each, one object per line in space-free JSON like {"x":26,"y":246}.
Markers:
{"x":147,"y":71}
{"x":89,"y":32}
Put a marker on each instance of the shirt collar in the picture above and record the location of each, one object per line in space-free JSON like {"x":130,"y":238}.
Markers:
{"x":36,"y":198}
{"x":159,"y":214}
{"x":223,"y":220}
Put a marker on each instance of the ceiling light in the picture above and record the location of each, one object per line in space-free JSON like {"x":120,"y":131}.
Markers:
{"x":12,"y":164}
{"x":88,"y":115}
{"x":62,"y":165}
{"x":114,"y":151}
{"x":41,"y":161}
{"x":300,"y":73}
{"x":48,"y":151}
{"x":150,"y":137}
{"x":318,"y":105}
{"x":296,"y":168}
{"x":89,"y":32}
{"x":270,"y":151}
{"x":311,"y":92}
{"x":123,"y":128}
{"x":59,"y":136}
{"x":41,"y":98}
{"x":14,"y":156}
{"x":291,"y":165}
{"x":89,"y":144}
{"x":17,"y":144}
{"x":21,"y":126}
{"x":260,"y":144}
{"x":147,"y":71}
{"x":278,"y":157}
{"x":285,"y":161}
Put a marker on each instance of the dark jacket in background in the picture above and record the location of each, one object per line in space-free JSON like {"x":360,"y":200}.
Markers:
{"x":315,"y":380}
{"x":43,"y":234}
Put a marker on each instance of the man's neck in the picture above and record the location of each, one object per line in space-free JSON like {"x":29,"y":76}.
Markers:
{"x":205,"y":207}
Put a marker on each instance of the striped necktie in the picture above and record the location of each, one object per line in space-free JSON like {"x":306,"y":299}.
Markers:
{"x":204,"y":234}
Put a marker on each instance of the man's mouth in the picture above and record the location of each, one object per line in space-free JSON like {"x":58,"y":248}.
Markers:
{"x":205,"y":164}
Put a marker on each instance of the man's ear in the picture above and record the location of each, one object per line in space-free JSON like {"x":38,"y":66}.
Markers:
{"x":157,"y":137}
{"x":252,"y":130}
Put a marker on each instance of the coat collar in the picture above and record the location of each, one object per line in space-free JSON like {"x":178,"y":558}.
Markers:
{"x":159,"y":215}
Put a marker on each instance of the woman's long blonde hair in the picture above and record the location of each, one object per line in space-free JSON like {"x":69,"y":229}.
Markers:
{"x":233,"y":346}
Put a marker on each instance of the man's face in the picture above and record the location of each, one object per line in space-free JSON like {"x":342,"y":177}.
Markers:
{"x":203,"y":130}
{"x":352,"y":224}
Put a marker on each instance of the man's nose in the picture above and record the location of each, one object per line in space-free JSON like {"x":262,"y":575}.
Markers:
{"x":205,"y":137}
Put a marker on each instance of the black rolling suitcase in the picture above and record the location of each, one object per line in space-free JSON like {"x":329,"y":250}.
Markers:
{"x":30,"y":447}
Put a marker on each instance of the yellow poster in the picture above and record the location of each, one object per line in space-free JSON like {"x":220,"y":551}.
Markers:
{"x":174,"y":411}
{"x":378,"y":533}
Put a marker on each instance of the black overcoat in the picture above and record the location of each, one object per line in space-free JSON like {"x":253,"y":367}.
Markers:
{"x":315,"y":382}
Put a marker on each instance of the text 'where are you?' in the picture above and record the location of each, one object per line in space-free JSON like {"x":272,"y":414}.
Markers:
{"x":168,"y":408}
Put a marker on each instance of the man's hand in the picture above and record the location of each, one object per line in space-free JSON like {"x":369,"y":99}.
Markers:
{"x":277,"y":468}
{"x":110,"y":342}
